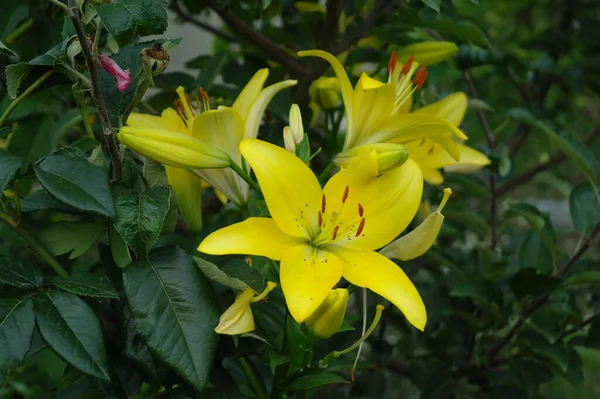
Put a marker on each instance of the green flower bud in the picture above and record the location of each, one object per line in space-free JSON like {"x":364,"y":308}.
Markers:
{"x":328,"y":318}
{"x":389,"y":155}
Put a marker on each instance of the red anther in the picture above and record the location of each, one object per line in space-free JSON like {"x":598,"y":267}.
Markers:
{"x":197,"y":98}
{"x":361,"y":226}
{"x":361,"y":210}
{"x":323,"y":203}
{"x":406,"y":67}
{"x":417,"y":76}
{"x":335,"y":232}
{"x":392,"y":63}
{"x":423,"y":79}
{"x":204,"y":94}
{"x":345,"y":197}
{"x":320,"y":219}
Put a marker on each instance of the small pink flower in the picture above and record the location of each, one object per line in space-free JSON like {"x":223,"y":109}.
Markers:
{"x":123,"y":76}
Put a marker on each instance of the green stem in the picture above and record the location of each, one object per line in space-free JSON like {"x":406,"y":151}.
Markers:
{"x":20,"y":31}
{"x":81,"y":76}
{"x":325,"y":174}
{"x":336,"y":354}
{"x":252,"y":378}
{"x":18,"y":100}
{"x":235,"y":167}
{"x":96,"y":43}
{"x":36,"y":246}
{"x":82,"y":106}
{"x":59,"y":4}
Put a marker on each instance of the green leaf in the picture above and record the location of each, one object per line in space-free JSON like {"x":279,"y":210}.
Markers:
{"x":297,"y":343}
{"x":87,"y":284}
{"x":15,"y":75}
{"x":535,"y":254}
{"x":574,"y":150}
{"x":212,"y":272}
{"x":435,"y":4}
{"x":528,"y":212}
{"x":69,"y":237}
{"x":40,"y":200}
{"x":53,"y":57}
{"x":582,"y":279}
{"x":118,"y":247}
{"x":71,"y":179}
{"x":584,"y":207}
{"x":469,"y":219}
{"x":19,"y":274}
{"x":266,"y":3}
{"x":237,"y":268}
{"x":140,"y":216}
{"x":211,"y":69}
{"x":8,"y":167}
{"x":127,"y":19}
{"x":33,"y":138}
{"x":6,"y":51}
{"x":530,"y":282}
{"x":17,"y":322}
{"x":70,"y":327}
{"x":316,"y":380}
{"x":174,"y":310}
{"x":154,"y":173}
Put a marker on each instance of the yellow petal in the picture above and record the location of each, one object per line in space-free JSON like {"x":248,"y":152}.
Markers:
{"x":290,"y":188}
{"x":253,"y":236}
{"x":389,"y":155}
{"x":174,"y":149}
{"x":387,"y":203}
{"x":373,"y":103}
{"x":402,"y":128}
{"x":249,"y":93}
{"x":452,"y":108}
{"x":427,"y":53}
{"x":343,"y":80}
{"x":471,"y":160}
{"x":151,"y":121}
{"x":382,"y":276}
{"x":432,"y":176}
{"x":418,"y":241}
{"x":223,"y":128}
{"x":329,"y":316}
{"x":254,"y":114}
{"x":237,"y":319}
{"x":307,"y":275}
{"x":188,"y":192}
{"x":406,"y":105}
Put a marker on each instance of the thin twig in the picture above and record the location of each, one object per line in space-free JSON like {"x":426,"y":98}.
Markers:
{"x":92,"y":63}
{"x":184,"y":16}
{"x":577,"y":328}
{"x":534,"y":170}
{"x":492,"y":174}
{"x":18,"y":100}
{"x":330,"y":29}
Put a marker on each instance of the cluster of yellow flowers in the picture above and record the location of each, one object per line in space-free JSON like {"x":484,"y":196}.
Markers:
{"x":349,"y":227}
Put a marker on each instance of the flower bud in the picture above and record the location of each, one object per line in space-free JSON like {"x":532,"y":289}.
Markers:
{"x":288,"y":140}
{"x":155,"y":60}
{"x":427,"y":53}
{"x":296,"y":126}
{"x":123,"y":76}
{"x":173,"y":149}
{"x":389,"y":155}
{"x":328,"y":318}
{"x":324,"y":92}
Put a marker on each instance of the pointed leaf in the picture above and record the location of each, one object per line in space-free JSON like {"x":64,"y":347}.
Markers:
{"x":17,"y":322}
{"x":315,"y":380}
{"x":69,"y":237}
{"x":5,"y":51}
{"x":87,"y":284}
{"x":8,"y":166}
{"x":19,"y":273}
{"x":212,"y":272}
{"x":174,"y":310}
{"x":70,"y":327}
{"x":584,"y":207}
{"x":15,"y":75}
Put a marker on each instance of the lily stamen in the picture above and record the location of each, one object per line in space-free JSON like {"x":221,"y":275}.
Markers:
{"x":361,"y":226}
{"x":323,"y":203}
{"x":406,"y":68}
{"x":361,"y":210}
{"x":345,"y":196}
{"x":392,"y":63}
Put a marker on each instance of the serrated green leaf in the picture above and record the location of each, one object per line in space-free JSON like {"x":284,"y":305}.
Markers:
{"x":584,"y":207}
{"x":40,"y":200}
{"x":87,"y":284}
{"x":69,"y":237}
{"x":174,"y":310}
{"x":211,"y":69}
{"x":212,"y":272}
{"x":17,"y":322}
{"x":53,"y":57}
{"x":434,"y":4}
{"x":15,"y":75}
{"x":118,"y":248}
{"x":316,"y":380}
{"x":5,"y":51}
{"x":70,"y":327}
{"x":71,"y":179}
{"x":140,"y":216}
{"x":8,"y":167}
{"x":33,"y":138}
{"x":19,"y":273}
{"x":127,"y":19}
{"x":154,"y":173}
{"x":237,"y":267}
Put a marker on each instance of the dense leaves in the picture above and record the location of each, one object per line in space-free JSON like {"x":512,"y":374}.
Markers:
{"x":17,"y":322}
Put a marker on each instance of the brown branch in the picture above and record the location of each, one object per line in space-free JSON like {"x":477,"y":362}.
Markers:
{"x":330,"y":30}
{"x":577,"y":328}
{"x":241,"y":28}
{"x":92,"y":63}
{"x":531,"y":172}
{"x":185,"y":17}
{"x":492,"y":173}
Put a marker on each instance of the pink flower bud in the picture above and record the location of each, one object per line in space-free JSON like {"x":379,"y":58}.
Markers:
{"x":123,"y":76}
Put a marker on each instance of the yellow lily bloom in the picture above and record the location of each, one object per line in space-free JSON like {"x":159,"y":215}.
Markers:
{"x":321,"y":234}
{"x":328,"y":318}
{"x":238,"y":318}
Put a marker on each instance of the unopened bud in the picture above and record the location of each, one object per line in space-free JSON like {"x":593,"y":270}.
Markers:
{"x":238,"y":318}
{"x":296,"y":126}
{"x":427,"y":53}
{"x":328,"y":318}
{"x":155,"y":60}
{"x":288,"y":140}
{"x":389,"y":155}
{"x":324,"y":92}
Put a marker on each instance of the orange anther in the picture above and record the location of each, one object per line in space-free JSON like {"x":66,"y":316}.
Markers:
{"x":345,"y":197}
{"x":361,"y":226}
{"x":361,"y":210}
{"x":406,"y":67}
{"x":392,"y":62}
{"x":323,"y":203}
{"x":335,"y":232}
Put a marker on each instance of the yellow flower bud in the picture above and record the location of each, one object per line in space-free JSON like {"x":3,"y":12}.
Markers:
{"x":188,"y":191}
{"x":418,"y":241}
{"x":296,"y":126}
{"x":238,"y":318}
{"x":389,"y":155}
{"x":328,"y":318}
{"x":427,"y":53}
{"x":288,"y":140}
{"x":324,"y":92}
{"x":173,"y":149}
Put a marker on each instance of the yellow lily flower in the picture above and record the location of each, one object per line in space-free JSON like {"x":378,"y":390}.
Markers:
{"x":321,"y":234}
{"x":328,"y":318}
{"x":238,"y":318}
{"x":188,"y":191}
